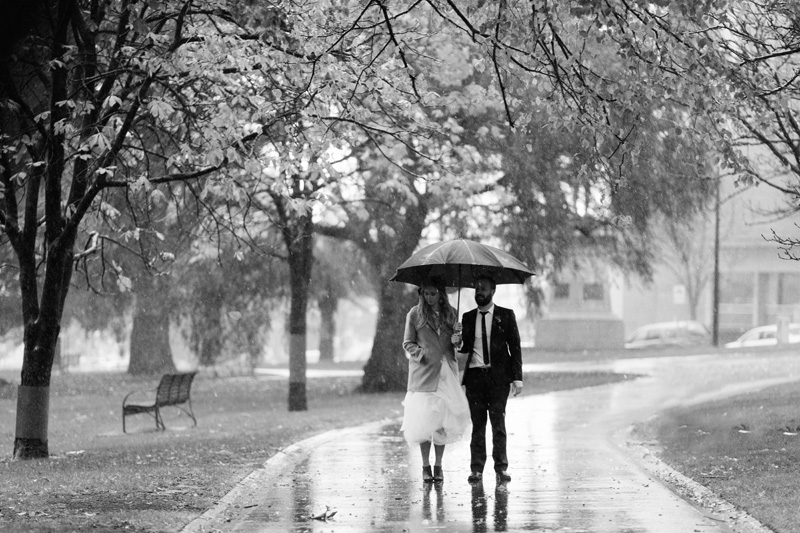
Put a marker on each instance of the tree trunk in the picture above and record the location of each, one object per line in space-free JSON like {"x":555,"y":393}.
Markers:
{"x":210,"y":345}
{"x":387,"y":367}
{"x":40,"y":338}
{"x":33,"y":394}
{"x":327,"y":328}
{"x":149,"y":346}
{"x":301,"y":257}
{"x":58,"y":357}
{"x":150,"y":349}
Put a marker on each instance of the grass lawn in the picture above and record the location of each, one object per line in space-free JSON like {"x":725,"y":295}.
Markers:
{"x":99,"y":479}
{"x":745,"y":449}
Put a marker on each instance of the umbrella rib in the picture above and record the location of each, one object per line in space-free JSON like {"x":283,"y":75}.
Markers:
{"x":471,"y":255}
{"x":433,"y":251}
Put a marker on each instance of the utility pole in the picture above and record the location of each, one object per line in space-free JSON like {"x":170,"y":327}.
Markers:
{"x":715,"y":305}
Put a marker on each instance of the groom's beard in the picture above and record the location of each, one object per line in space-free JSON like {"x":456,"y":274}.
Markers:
{"x":482,"y":300}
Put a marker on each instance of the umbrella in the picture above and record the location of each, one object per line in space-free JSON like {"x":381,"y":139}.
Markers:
{"x":459,"y":263}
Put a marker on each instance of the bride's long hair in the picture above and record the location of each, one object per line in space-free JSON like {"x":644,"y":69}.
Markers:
{"x":447,"y":313}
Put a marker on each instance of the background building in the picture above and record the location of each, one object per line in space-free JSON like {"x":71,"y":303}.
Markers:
{"x":582,"y":311}
{"x":594,"y":308}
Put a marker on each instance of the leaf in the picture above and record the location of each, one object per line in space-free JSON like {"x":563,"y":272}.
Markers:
{"x":99,"y":141}
{"x":107,"y":171}
{"x":140,"y":182}
{"x":113,"y":101}
{"x":160,"y":109}
{"x":124,"y":283}
{"x":325,"y":515}
{"x":157,"y":197}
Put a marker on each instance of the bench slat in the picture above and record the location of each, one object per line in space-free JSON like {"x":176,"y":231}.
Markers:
{"x":173,"y":390}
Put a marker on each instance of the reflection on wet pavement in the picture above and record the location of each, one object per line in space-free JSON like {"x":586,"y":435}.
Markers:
{"x":373,"y":482}
{"x":568,"y":474}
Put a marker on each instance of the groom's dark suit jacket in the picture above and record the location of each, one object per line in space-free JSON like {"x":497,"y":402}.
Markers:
{"x":505,"y":350}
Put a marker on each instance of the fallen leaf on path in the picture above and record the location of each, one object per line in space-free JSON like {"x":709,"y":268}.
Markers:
{"x":324,"y":516}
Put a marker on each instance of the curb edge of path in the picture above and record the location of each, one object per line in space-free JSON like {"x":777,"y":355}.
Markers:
{"x":246,"y":494}
{"x":704,"y":500}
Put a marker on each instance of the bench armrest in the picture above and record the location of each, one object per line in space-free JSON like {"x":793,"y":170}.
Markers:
{"x":142,"y":391}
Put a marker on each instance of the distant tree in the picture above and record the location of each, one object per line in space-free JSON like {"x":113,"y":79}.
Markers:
{"x":687,"y":250}
{"x":340,"y":272}
{"x":752,"y":46}
{"x":225,"y":299}
{"x":402,"y":184}
{"x":385,"y":214}
{"x":558,"y":213}
{"x":146,"y":273}
{"x":10,"y":297}
{"x":752,"y":49}
{"x":388,"y":233}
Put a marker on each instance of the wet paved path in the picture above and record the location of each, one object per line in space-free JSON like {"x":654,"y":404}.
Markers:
{"x":570,"y":473}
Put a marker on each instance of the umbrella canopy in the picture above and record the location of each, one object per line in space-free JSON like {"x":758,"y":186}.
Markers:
{"x":460,"y":262}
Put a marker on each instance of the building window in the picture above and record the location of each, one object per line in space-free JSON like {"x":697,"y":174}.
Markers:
{"x":737,"y":288}
{"x":593,"y":291}
{"x":561,"y":291}
{"x":788,"y":288}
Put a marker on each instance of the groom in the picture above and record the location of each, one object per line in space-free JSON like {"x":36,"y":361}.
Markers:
{"x":490,"y":339}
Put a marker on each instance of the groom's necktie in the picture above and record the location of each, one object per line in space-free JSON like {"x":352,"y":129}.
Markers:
{"x":486,"y":360}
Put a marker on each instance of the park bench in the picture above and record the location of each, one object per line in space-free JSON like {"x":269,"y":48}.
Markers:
{"x":173,"y":391}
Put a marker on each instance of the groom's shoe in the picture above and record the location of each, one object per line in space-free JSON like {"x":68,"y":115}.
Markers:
{"x":475,"y":477}
{"x":503,"y":477}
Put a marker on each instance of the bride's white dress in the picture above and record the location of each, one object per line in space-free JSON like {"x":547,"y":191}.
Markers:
{"x":441,"y":417}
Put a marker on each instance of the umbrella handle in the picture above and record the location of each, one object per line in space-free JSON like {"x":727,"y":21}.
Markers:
{"x":458,"y":301}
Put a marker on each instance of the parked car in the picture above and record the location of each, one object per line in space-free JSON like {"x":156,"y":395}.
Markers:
{"x":663,"y":334}
{"x":764,"y":336}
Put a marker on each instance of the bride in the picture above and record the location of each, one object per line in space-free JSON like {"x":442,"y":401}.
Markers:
{"x":435,"y":408}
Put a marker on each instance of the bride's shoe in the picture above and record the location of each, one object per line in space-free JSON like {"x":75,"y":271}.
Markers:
{"x":427,"y":476}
